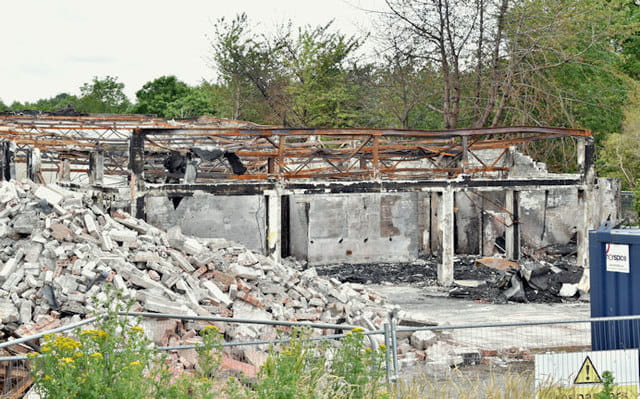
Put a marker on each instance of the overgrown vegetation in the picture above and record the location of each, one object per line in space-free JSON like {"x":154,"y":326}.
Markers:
{"x":115,"y":359}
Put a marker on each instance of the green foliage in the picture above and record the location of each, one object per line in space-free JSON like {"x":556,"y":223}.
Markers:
{"x":296,"y":78}
{"x":103,"y":96}
{"x":303,"y":370}
{"x":156,"y":95}
{"x":196,"y":102}
{"x":60,"y":101}
{"x":607,"y":386}
{"x":116,"y":360}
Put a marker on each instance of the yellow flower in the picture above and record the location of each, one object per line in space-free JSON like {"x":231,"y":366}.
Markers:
{"x":382,"y":346}
{"x":210,"y":328}
{"x":45,"y":348}
{"x":97,"y":355}
{"x":367,"y":350}
{"x":66,"y":360}
{"x":47,"y":377}
{"x":137,"y":329}
{"x":95,"y":333}
{"x":357,"y":329}
{"x":32,"y":354}
{"x":134,"y":363}
{"x":78,"y":354}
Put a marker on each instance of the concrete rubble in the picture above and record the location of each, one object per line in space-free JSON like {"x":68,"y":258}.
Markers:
{"x":59,"y":250}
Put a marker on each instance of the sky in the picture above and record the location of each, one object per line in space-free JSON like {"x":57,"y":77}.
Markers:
{"x":50,"y":47}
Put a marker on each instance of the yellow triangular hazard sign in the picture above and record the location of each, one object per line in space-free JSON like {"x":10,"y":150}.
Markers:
{"x":587,"y":374}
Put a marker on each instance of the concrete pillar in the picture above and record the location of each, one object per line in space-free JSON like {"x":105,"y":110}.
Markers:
{"x":9,"y":160}
{"x":34,"y":165}
{"x":274,"y":224}
{"x":446,"y":232}
{"x":64,"y":170}
{"x":512,"y":234}
{"x":96,"y":167}
{"x":136,"y":161}
{"x":585,"y":222}
{"x":190,"y":172}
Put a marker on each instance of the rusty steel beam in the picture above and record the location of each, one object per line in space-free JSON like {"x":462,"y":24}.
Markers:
{"x":269,"y":151}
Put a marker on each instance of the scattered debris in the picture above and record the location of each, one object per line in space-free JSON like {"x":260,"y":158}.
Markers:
{"x":55,"y":258}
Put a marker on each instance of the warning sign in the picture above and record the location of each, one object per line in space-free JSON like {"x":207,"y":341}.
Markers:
{"x":587,"y":374}
{"x":579,"y":375}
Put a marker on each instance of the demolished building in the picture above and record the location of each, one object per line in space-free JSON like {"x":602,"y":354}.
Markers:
{"x":323,"y":195}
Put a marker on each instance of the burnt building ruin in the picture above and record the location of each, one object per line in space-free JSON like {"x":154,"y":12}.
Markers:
{"x":322,"y":195}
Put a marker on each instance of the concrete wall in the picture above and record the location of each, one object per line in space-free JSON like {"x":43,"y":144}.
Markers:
{"x":237,"y":218}
{"x":354,"y":228}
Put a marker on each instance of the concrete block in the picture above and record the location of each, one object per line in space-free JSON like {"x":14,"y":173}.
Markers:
{"x":90,"y":223}
{"x":216,"y":294}
{"x":25,"y":311}
{"x":8,"y":311}
{"x":146,"y":256}
{"x":125,"y":236}
{"x":192,"y":247}
{"x":246,"y":272}
{"x":48,"y":194}
{"x":422,"y":339}
{"x":162,"y":305}
{"x":11,"y":265}
{"x":7,"y":192}
{"x":180,"y":260}
{"x":25,"y":222}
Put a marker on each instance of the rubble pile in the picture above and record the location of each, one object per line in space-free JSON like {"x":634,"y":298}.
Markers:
{"x":58,"y":250}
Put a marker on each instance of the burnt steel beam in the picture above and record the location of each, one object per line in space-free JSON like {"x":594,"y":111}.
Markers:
{"x":258,"y":188}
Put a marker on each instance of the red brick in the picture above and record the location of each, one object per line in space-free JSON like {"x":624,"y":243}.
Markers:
{"x":231,"y":364}
{"x":199,"y":272}
{"x":250,"y":299}
{"x":224,"y":278}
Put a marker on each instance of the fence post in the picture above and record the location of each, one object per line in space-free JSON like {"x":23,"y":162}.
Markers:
{"x":394,"y":345}
{"x":387,"y":347}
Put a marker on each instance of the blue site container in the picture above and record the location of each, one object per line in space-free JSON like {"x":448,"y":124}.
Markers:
{"x":614,"y":290}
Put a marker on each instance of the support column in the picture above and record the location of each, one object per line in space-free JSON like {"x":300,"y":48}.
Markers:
{"x":446,"y":232}
{"x":512,"y":234}
{"x":34,"y":165}
{"x":274,"y":224}
{"x":136,"y":170}
{"x":64,"y":170}
{"x":9,"y":160}
{"x":190,"y":172}
{"x":96,"y":167}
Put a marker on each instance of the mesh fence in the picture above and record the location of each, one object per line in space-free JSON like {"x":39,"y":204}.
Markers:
{"x":473,"y":353}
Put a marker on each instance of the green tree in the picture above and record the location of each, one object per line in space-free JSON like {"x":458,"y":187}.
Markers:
{"x":196,"y":102}
{"x":103,"y":96}
{"x":249,"y":71}
{"x":156,"y":95}
{"x":299,"y":77}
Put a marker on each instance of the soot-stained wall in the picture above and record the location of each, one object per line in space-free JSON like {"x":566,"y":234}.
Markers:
{"x":354,"y":228}
{"x":238,"y":218}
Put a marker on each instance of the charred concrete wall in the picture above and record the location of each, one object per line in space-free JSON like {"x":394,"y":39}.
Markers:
{"x":354,"y":228}
{"x":237,"y":218}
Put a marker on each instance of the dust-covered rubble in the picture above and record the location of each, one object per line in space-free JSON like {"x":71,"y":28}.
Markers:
{"x":59,"y":250}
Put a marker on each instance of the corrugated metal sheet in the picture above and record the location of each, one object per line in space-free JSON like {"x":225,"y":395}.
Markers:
{"x":614,"y":293}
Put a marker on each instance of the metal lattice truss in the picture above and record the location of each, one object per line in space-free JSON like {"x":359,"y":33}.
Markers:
{"x":267,"y":152}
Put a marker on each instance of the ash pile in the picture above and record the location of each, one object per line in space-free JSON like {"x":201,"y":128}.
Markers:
{"x":59,"y":250}
{"x":548,"y":275}
{"x":556,"y":278}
